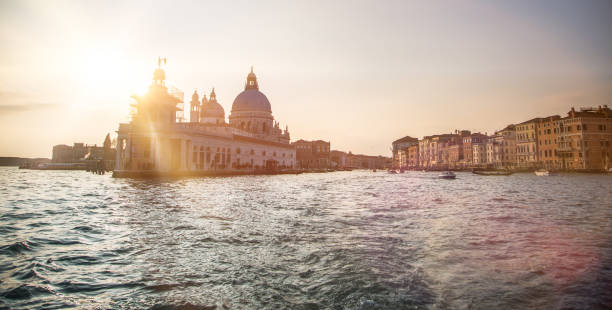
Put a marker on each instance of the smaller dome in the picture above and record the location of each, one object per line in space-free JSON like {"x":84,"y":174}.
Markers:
{"x":212,"y":109}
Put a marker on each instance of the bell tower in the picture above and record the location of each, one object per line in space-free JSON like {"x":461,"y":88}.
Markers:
{"x":159,"y":104}
{"x":194,"y":116}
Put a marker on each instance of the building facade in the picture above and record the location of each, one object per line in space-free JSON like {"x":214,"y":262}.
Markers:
{"x":526,"y":144}
{"x":399,"y":151}
{"x":585,"y":139}
{"x":154,"y":142}
{"x":547,"y":133}
{"x":507,"y":139}
{"x":312,"y":154}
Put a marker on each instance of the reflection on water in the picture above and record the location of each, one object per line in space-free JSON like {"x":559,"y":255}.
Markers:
{"x":343,"y":240}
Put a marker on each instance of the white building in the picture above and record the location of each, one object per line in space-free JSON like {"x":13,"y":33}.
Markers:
{"x":154,"y":143}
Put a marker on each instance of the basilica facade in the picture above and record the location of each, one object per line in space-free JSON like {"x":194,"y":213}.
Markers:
{"x":155,"y":143}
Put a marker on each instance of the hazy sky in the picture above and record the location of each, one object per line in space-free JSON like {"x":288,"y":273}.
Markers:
{"x":358,"y":73}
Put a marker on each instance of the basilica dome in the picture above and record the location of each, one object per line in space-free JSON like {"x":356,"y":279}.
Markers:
{"x":251,"y":99}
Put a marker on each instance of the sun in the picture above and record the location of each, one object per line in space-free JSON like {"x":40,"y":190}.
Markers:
{"x":99,"y":69}
{"x":106,"y":75}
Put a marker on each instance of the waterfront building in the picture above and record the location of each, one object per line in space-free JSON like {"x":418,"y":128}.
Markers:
{"x":494,"y":150}
{"x":547,"y":133}
{"x":312,"y":154}
{"x":479,"y":153}
{"x":399,"y":148}
{"x":585,"y":139}
{"x":507,"y":139}
{"x":338,"y":159}
{"x":526,"y":144}
{"x":359,"y":161}
{"x":424,"y":152}
{"x":412,"y":156}
{"x":468,"y":142}
{"x":580,"y":141}
{"x":155,"y":143}
{"x":433,"y":151}
{"x":80,"y":151}
{"x":456,"y":155}
{"x":62,"y":153}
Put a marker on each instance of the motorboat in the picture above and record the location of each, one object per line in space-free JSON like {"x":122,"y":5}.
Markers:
{"x":447,"y":175}
{"x":542,"y":173}
{"x":392,"y":171}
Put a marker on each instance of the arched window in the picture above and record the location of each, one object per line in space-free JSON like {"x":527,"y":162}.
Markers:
{"x":238,"y":151}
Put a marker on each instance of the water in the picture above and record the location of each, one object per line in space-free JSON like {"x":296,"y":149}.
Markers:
{"x":343,"y":240}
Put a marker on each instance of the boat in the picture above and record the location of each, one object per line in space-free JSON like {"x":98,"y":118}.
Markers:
{"x":542,"y":172}
{"x":492,"y":172}
{"x":447,"y":175}
{"x":392,"y":172}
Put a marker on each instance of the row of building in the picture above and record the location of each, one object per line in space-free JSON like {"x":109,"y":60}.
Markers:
{"x":315,"y":155}
{"x":63,"y":153}
{"x":580,"y":141}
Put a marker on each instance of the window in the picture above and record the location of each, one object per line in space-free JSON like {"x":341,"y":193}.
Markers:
{"x":238,"y":151}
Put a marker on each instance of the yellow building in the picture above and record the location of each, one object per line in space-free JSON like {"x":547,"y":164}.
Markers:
{"x":526,"y":144}
{"x":585,"y":139}
{"x":547,"y":133}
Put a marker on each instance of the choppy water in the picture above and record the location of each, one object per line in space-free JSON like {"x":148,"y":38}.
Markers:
{"x":343,"y":240}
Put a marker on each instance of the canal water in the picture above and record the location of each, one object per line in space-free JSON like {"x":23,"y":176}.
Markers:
{"x":342,"y":240}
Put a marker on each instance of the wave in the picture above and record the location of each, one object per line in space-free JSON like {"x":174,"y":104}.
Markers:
{"x":79,"y":260}
{"x":80,"y":287}
{"x":17,"y":247}
{"x":26,"y":291}
{"x":55,"y":242}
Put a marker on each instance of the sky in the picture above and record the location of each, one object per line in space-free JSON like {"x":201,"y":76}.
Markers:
{"x":359,"y":74}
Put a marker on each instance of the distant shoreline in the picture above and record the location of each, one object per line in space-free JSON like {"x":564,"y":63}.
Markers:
{"x":10,"y":161}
